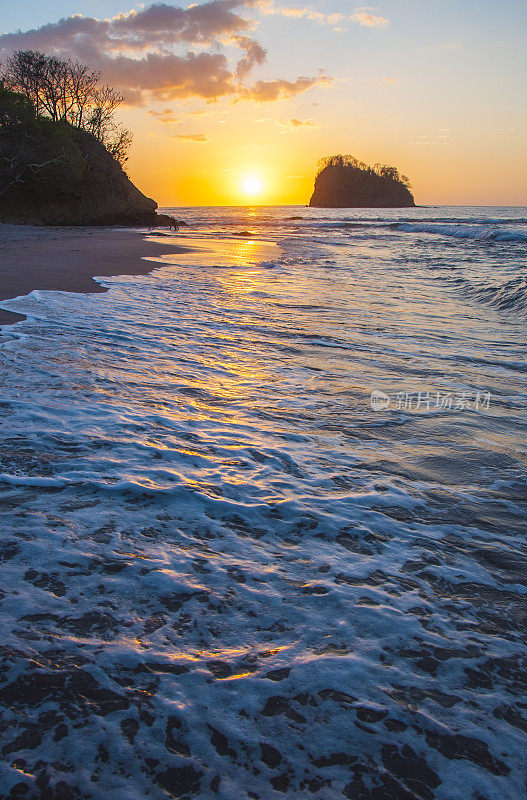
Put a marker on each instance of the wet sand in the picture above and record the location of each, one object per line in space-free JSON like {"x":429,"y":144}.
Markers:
{"x":68,"y":259}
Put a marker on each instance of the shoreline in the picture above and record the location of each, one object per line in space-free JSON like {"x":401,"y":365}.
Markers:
{"x":68,"y":260}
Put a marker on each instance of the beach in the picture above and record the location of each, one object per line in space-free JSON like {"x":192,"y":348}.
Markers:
{"x":262,"y":500}
{"x":67,"y":259}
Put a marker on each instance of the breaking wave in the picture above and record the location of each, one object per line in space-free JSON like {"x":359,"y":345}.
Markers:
{"x":508,"y":296}
{"x":480,"y":232}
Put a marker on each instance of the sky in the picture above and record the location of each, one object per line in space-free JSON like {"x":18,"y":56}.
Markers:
{"x":234,"y":102}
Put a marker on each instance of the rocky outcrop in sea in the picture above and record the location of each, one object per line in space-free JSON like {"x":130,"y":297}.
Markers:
{"x":346,"y":183}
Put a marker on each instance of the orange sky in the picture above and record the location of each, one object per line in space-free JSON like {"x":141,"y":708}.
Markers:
{"x":245,"y":140}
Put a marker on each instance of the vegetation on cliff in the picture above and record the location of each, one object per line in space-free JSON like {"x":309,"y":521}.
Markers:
{"x":61,"y":151}
{"x":346,"y":182}
{"x":68,"y":91}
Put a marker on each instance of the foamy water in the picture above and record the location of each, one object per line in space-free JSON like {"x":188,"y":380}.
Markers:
{"x":223,"y":573}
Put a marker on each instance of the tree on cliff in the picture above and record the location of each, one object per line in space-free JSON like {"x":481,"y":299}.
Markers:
{"x":68,"y":91}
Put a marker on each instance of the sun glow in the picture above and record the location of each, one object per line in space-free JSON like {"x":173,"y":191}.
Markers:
{"x":252,"y":185}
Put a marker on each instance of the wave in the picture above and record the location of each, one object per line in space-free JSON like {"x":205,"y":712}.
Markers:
{"x":350,"y":223}
{"x":348,"y":218}
{"x":485,"y":229}
{"x":463,"y":231}
{"x":509,"y":296}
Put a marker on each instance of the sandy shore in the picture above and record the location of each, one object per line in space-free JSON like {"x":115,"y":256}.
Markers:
{"x":67,"y":259}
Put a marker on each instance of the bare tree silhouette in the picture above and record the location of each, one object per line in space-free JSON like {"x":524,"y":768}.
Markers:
{"x":68,"y":91}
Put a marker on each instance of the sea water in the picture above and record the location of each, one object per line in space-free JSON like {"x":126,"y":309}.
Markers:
{"x":262,"y":514}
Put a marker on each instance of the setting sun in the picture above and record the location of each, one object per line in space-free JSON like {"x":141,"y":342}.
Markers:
{"x":252,"y":185}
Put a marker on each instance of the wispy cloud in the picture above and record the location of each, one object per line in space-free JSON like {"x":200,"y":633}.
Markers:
{"x":165,"y":116}
{"x":302,"y":123}
{"x":280,"y":89}
{"x":192,"y":137}
{"x":441,"y":136}
{"x":361,"y":16}
{"x":169,"y":116}
{"x":137,"y":51}
{"x":295,"y":124}
{"x":287,"y":125}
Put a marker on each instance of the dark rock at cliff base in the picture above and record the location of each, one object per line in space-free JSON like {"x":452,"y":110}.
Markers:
{"x":166,"y":221}
{"x":64,"y":176}
{"x":350,"y":186}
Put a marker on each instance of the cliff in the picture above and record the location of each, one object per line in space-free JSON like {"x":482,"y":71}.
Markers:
{"x":343,"y":182}
{"x":56,"y":174}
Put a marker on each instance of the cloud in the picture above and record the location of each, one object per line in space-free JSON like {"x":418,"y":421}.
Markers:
{"x":166,"y":76}
{"x":360,"y":16}
{"x":137,"y":51}
{"x":294,"y":124}
{"x":302,"y":123}
{"x":367,"y":20}
{"x":280,"y":89}
{"x":306,"y":13}
{"x":197,"y":23}
{"x":192,"y":137}
{"x":441,"y":136}
{"x":254,"y":55}
{"x":167,"y":115}
{"x":160,"y":23}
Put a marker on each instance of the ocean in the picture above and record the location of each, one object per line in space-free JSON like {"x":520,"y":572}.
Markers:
{"x":263,"y":515}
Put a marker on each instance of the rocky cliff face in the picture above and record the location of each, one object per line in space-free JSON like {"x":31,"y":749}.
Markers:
{"x":354,"y":187}
{"x":55,"y":174}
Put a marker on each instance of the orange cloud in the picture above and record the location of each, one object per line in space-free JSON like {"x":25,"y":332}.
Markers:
{"x":364,"y":18}
{"x":360,"y":17}
{"x":270,"y":91}
{"x":294,"y":124}
{"x":192,"y":137}
{"x":166,"y":116}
